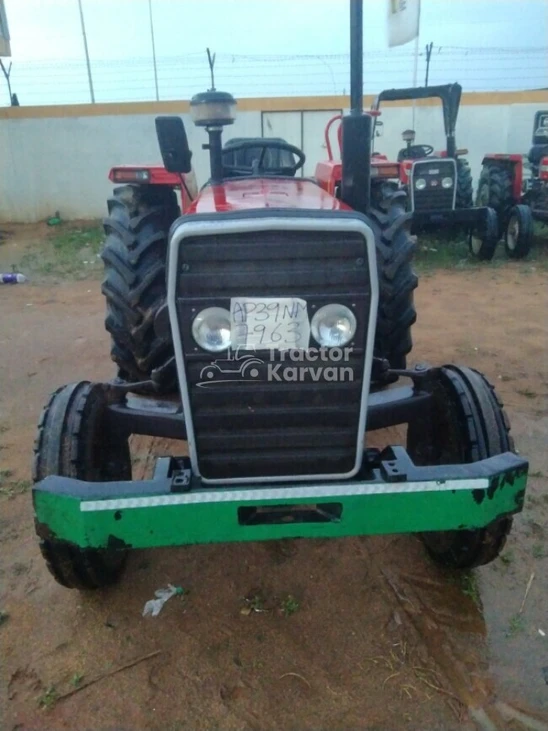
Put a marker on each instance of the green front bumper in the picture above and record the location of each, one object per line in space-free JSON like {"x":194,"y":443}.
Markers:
{"x":392,"y":499}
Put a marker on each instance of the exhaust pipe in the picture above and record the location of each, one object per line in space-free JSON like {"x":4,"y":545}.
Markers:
{"x":356,"y":128}
{"x":356,"y":57}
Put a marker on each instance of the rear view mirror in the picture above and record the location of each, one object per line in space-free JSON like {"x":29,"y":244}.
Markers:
{"x":173,"y":143}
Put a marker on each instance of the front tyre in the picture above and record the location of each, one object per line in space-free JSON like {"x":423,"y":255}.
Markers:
{"x":483,"y":241}
{"x":464,"y":196}
{"x":518,"y":235}
{"x":467,"y":424}
{"x":73,"y":440}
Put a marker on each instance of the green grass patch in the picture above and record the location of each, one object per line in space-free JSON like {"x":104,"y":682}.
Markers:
{"x":69,"y":251}
{"x":515,"y":625}
{"x":470,"y":587}
{"x":435,"y":251}
{"x":12,"y":488}
{"x":76,"y":680}
{"x":49,"y":698}
{"x":289,"y":605}
{"x":67,"y":240}
{"x":507,"y":557}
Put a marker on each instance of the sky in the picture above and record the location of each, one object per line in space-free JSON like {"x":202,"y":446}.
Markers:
{"x":482,"y":43}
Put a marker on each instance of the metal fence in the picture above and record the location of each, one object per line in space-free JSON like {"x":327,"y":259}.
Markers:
{"x":179,"y":77}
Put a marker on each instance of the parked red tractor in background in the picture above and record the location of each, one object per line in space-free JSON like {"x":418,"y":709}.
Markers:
{"x":450,"y":96}
{"x":438,"y":184}
{"x":518,"y":189}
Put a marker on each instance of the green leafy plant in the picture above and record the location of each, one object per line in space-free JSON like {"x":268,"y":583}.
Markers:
{"x":289,"y":605}
{"x":515,"y":625}
{"x":49,"y":698}
{"x":470,"y":588}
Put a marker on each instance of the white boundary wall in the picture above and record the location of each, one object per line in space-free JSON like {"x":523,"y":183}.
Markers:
{"x":57,"y":158}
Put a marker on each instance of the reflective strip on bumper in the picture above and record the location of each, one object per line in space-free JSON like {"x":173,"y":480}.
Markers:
{"x":283,"y":493}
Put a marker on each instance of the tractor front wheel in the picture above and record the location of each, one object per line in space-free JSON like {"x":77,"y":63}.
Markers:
{"x":464,"y":197}
{"x":518,"y":236}
{"x":73,"y":440}
{"x":483,"y":241}
{"x":467,"y":424}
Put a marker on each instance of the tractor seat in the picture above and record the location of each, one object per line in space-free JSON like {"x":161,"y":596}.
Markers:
{"x":274,"y":161}
{"x":536,"y":153}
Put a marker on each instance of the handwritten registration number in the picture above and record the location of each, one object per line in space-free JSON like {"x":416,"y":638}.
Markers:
{"x":269,"y":322}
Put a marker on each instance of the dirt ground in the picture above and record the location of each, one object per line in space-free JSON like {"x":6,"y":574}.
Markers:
{"x":373,"y":635}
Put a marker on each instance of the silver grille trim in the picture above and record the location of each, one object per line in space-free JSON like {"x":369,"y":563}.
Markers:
{"x":188,"y":228}
{"x":449,"y":167}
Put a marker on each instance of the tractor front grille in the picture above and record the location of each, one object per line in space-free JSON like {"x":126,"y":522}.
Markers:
{"x":264,"y":426}
{"x":433,"y":197}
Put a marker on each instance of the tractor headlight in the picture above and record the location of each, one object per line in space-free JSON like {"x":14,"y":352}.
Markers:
{"x":447,"y":183}
{"x":211,"y":329}
{"x":420,"y":183}
{"x":333,"y":326}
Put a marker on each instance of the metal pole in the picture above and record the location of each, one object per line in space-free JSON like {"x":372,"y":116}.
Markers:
{"x":215,"y":155}
{"x":91,"y":92}
{"x":153,"y":50}
{"x":356,"y":57}
{"x":415,"y":77}
{"x":429,"y":48}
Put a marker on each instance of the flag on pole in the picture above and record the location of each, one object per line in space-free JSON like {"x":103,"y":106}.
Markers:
{"x":403,"y":21}
{"x":5,"y":49}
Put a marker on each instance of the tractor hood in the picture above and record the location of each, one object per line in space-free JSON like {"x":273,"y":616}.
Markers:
{"x":262,"y":193}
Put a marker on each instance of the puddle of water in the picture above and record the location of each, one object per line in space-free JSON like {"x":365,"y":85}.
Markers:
{"x":453,"y":629}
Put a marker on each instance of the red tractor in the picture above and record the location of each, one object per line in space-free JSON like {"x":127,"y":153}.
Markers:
{"x":314,"y":294}
{"x":438,"y":184}
{"x":518,"y":190}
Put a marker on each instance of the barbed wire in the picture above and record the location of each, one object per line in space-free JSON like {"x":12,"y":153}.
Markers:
{"x":179,"y":77}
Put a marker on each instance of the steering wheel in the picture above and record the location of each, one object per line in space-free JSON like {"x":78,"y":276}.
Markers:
{"x":258,"y":166}
{"x":414,"y":152}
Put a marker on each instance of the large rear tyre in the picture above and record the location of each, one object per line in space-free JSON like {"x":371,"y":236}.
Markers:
{"x":134,"y":284}
{"x":73,"y":440}
{"x":495,"y":189}
{"x":397,"y":280}
{"x":518,"y":235}
{"x":464,"y":197}
{"x":468,"y":424}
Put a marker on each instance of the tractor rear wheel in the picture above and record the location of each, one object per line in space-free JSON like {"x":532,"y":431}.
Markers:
{"x":73,"y":441}
{"x":134,"y":285}
{"x":397,"y":280}
{"x":464,"y":197}
{"x":495,"y":189}
{"x":468,"y":424}
{"x":518,"y":235}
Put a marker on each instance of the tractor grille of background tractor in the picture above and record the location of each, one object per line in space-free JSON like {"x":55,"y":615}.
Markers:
{"x":267,"y":428}
{"x":433,"y":196}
